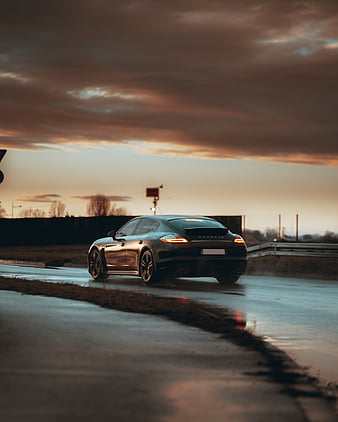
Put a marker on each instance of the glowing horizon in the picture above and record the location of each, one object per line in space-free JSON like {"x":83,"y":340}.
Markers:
{"x":231,"y":105}
{"x":260,"y":191}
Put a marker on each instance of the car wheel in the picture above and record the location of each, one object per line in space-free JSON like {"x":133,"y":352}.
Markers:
{"x":95,"y":265}
{"x":227,"y":278}
{"x":147,"y":267}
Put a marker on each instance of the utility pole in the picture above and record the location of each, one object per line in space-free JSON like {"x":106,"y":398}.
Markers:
{"x":280,"y":234}
{"x":297,"y":227}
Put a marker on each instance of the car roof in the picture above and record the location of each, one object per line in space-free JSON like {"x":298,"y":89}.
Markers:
{"x":174,"y":217}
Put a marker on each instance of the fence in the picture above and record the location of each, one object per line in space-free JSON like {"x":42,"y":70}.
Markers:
{"x":73,"y":230}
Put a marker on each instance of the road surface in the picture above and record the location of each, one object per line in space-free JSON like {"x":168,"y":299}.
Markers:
{"x":76,"y":362}
{"x":298,"y":316}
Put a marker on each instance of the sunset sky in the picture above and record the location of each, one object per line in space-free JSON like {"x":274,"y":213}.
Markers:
{"x":232,"y":105}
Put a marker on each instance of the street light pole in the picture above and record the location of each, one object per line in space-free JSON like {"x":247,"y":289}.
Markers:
{"x":15,"y":206}
{"x":280,"y":226}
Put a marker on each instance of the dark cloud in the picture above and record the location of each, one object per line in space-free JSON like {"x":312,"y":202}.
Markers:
{"x":114,"y":198}
{"x":207,"y":78}
{"x":46,"y":197}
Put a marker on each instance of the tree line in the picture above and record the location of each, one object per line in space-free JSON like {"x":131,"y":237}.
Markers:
{"x":99,"y":205}
{"x":270,"y":235}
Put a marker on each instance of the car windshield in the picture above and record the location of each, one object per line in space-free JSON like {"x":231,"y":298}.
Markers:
{"x":198,"y":226}
{"x":128,"y":229}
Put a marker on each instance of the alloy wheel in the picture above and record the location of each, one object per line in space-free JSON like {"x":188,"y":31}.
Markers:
{"x":147,"y":270}
{"x":95,"y":264}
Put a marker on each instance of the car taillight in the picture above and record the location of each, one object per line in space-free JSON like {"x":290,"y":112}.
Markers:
{"x":238,"y":239}
{"x":174,"y":239}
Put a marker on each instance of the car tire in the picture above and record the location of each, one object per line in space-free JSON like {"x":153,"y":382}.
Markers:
{"x":227,"y":278}
{"x":147,"y":268}
{"x":96,"y":266}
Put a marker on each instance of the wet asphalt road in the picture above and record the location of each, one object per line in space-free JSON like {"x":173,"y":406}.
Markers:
{"x":70,"y":361}
{"x":298,"y":316}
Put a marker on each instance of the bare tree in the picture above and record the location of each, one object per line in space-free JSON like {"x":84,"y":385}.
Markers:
{"x":329,"y":237}
{"x":38,"y":213}
{"x":25,"y":213}
{"x":57,"y":209}
{"x":114,"y":210}
{"x":98,"y":206}
{"x":29,"y":213}
{"x":2,"y":211}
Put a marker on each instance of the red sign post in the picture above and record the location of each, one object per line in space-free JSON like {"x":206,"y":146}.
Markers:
{"x":152,"y":192}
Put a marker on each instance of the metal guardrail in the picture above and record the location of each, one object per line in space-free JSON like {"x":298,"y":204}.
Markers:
{"x":322,"y":250}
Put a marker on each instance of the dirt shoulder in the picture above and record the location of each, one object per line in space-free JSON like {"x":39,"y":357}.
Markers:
{"x":294,"y":266}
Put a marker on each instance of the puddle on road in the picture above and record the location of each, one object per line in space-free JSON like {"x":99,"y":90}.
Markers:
{"x":319,"y":361}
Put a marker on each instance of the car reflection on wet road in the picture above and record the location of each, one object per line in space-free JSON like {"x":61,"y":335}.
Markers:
{"x":298,"y":316}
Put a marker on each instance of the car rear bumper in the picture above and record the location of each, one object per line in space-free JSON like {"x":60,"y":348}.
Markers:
{"x":202,"y":266}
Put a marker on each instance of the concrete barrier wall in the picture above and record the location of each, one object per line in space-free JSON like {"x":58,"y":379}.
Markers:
{"x":72,"y":230}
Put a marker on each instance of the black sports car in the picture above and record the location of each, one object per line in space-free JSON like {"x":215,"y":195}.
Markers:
{"x":159,"y":246}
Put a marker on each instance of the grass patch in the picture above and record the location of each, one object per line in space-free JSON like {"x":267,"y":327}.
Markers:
{"x":294,"y":266}
{"x":63,"y":254}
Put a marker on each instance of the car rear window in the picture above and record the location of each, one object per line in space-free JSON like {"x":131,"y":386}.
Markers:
{"x":199,"y":227}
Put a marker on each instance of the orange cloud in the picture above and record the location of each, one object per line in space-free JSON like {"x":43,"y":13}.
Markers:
{"x":209,"y":79}
{"x":114,"y":198}
{"x":46,"y":197}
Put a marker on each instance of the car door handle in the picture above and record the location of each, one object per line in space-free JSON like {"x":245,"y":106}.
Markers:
{"x":140,"y":242}
{"x":122,"y":244}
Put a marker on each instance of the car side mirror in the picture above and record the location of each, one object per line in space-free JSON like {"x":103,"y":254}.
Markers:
{"x":112,"y":234}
